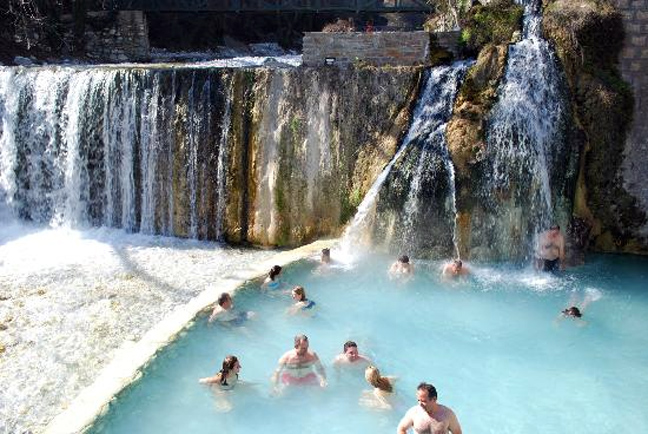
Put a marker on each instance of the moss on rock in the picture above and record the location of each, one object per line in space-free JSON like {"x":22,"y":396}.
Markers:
{"x":492,"y":24}
{"x":466,"y":129}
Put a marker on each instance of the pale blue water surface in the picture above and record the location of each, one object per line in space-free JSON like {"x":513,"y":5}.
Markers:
{"x":491,"y":344}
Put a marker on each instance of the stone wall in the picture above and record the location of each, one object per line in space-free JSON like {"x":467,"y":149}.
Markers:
{"x":117,"y":38}
{"x":634,"y":64}
{"x":378,"y":48}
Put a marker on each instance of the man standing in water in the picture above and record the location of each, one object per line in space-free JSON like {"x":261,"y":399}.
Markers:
{"x":550,"y":250}
{"x":428,"y":416}
{"x":300,"y":366}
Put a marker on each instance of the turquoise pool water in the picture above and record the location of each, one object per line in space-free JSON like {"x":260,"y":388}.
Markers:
{"x":490,"y":344}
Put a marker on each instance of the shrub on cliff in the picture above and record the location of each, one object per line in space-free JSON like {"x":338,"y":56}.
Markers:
{"x":494,"y":23}
{"x":339,"y":26}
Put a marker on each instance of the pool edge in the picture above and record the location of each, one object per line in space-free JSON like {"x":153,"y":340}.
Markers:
{"x":126,"y":366}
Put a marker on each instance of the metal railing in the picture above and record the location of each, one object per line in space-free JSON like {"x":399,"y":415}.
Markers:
{"x":271,"y":6}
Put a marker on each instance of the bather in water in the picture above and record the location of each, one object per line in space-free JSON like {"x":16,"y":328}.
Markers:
{"x":299,"y":366}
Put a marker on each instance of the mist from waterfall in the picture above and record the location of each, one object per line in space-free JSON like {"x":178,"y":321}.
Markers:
{"x":127,"y":148}
{"x":526,"y":149}
{"x":425,"y":142}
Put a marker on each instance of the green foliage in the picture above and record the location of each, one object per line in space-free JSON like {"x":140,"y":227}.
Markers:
{"x":295,"y":126}
{"x":492,"y":24}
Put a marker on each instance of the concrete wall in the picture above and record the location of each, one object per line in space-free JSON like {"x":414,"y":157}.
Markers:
{"x":634,"y":67}
{"x":377,"y":48}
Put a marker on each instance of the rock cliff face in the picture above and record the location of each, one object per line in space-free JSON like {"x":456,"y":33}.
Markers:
{"x":594,"y":196}
{"x":589,"y":37}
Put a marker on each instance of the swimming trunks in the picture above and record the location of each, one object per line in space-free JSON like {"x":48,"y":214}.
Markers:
{"x":232,"y":317}
{"x":309,"y":379}
{"x":552,"y":266}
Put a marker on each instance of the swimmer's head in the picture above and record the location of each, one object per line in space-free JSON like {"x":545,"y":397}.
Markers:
{"x":425,"y":392}
{"x":403,"y":259}
{"x":224,"y":300}
{"x":372,"y":375}
{"x":457,"y":264}
{"x":231,"y":363}
{"x":554,"y":228}
{"x":301,"y":344}
{"x":326,"y":255}
{"x":573,"y":312}
{"x":299,"y":293}
{"x":274,"y":271}
{"x":351,"y":351}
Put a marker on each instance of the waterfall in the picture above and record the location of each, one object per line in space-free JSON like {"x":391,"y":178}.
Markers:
{"x":128,"y":148}
{"x":425,"y":140}
{"x":222,"y":166}
{"x":525,"y":142}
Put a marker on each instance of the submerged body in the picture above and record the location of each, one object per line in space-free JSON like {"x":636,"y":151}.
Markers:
{"x":300,"y":366}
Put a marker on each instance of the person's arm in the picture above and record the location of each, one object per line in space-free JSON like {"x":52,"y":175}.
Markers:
{"x":405,"y":424}
{"x":319,"y":369}
{"x":453,"y":424}
{"x":211,"y":380}
{"x":280,"y":366}
{"x":214,"y":313}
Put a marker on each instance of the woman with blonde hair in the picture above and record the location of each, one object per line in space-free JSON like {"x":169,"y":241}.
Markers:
{"x":383,"y":389}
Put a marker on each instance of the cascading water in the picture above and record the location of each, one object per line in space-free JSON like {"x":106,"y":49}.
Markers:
{"x":526,"y":151}
{"x":222,"y":166}
{"x":424,"y":142}
{"x":120,"y":147}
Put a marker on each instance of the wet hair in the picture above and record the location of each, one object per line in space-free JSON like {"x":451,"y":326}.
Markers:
{"x":223,"y":298}
{"x":573,"y":311}
{"x":326,"y":252}
{"x":554,"y":227}
{"x":373,"y":377}
{"x":274,"y":272}
{"x":299,"y":339}
{"x":458,"y":263}
{"x":300,"y":292}
{"x":349,"y":344}
{"x":404,"y":259}
{"x":228,"y":365}
{"x":431,"y":390}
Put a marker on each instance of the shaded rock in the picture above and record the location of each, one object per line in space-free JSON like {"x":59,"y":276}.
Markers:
{"x":603,"y":105}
